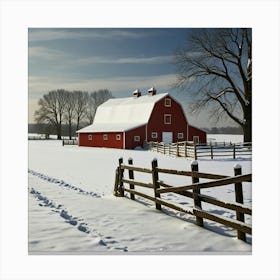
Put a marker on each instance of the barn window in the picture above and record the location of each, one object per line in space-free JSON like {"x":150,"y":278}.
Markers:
{"x":136,"y":138}
{"x":180,"y":135}
{"x":105,"y":136}
{"x":167,"y":119}
{"x":196,"y":139}
{"x":154,"y":135}
{"x":89,"y":137}
{"x":167,"y":102}
{"x":118,"y":137}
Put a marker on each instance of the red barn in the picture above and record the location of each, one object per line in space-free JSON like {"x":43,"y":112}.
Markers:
{"x":125,"y":123}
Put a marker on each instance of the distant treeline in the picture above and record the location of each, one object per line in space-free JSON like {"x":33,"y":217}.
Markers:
{"x":50,"y":130}
{"x":46,"y":129}
{"x":63,"y":112}
{"x":224,"y":130}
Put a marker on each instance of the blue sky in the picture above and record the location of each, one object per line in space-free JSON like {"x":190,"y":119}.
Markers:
{"x":120,"y":60}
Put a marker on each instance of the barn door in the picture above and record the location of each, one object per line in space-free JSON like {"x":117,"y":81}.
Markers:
{"x":167,"y":137}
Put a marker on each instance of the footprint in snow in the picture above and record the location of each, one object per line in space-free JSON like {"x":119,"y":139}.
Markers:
{"x":109,"y":241}
{"x":123,"y":249}
{"x":62,"y":183}
{"x":65,"y":215}
{"x":72,"y":222}
{"x":83,"y":228}
{"x":102,"y":243}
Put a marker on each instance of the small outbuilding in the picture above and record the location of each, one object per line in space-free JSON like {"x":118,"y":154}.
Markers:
{"x":126,"y":123}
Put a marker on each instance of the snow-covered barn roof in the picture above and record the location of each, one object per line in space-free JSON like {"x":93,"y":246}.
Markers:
{"x":123,"y":114}
{"x":110,"y":127}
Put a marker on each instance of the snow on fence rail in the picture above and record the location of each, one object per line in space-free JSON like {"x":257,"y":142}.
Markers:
{"x":37,"y":137}
{"x":191,"y":191}
{"x":69,"y":142}
{"x":193,"y":150}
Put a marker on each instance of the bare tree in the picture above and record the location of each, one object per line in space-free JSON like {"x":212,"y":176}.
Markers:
{"x":216,"y":67}
{"x":52,"y":106}
{"x":82,"y":98}
{"x":96,"y":98}
{"x":69,"y":114}
{"x":91,"y":109}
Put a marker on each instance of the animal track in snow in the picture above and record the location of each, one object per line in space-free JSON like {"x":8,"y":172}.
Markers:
{"x":76,"y":222}
{"x":62,"y":183}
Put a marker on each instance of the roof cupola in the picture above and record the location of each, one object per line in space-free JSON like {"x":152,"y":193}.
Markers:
{"x":152,"y":91}
{"x":137,"y":93}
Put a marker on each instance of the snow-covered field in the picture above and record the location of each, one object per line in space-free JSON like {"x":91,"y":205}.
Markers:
{"x":233,"y":138}
{"x":72,"y":208}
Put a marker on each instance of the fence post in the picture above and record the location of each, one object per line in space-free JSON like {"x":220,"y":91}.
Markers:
{"x":116,"y":181}
{"x":195,"y":151}
{"x":164,"y":148}
{"x":185,"y":148}
{"x":155,"y":181}
{"x":121,"y":171}
{"x":157,"y":146}
{"x":211,"y":147}
{"x":239,"y":198}
{"x":62,"y":142}
{"x":234,"y":151}
{"x":197,"y":202}
{"x":177,"y":149}
{"x":131,"y":177}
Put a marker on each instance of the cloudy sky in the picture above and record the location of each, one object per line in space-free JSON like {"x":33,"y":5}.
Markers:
{"x":120,"y":60}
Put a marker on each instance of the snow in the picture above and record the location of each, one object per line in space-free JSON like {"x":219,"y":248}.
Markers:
{"x":233,"y":138}
{"x":117,"y":111}
{"x":72,"y":207}
{"x":237,"y":166}
{"x":110,"y":127}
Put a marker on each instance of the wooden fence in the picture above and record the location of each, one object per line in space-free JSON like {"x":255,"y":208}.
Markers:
{"x":191,"y":191}
{"x":69,"y":142}
{"x":37,"y":137}
{"x":193,"y":150}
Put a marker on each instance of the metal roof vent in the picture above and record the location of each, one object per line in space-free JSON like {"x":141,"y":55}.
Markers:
{"x":137,"y":93}
{"x":152,"y":91}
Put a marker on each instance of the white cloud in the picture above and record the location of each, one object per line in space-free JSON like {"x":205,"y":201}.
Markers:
{"x":123,"y":60}
{"x":52,"y":54}
{"x":41,"y":34}
{"x":46,"y":53}
{"x":45,"y":84}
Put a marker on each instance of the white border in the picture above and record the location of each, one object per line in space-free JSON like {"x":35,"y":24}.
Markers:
{"x":17,"y":16}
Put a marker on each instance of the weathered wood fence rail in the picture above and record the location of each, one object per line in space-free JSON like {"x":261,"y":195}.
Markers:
{"x":193,"y":150}
{"x":192,"y":191}
{"x":69,"y":142}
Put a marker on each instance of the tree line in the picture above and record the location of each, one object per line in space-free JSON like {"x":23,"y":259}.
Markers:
{"x":224,"y":130}
{"x":61,"y":107}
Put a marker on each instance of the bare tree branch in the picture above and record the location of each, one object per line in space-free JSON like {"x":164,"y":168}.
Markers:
{"x":216,"y":64}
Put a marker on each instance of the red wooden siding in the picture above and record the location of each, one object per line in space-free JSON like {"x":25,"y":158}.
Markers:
{"x":167,"y":116}
{"x":193,"y":131}
{"x":129,"y":137}
{"x":162,"y":115}
{"x":98,"y":141}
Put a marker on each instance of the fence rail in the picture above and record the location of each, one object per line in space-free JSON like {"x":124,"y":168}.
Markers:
{"x":191,"y":191}
{"x":193,"y":150}
{"x":37,"y":137}
{"x":69,"y":142}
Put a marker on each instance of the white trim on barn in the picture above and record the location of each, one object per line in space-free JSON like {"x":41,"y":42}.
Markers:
{"x":124,"y":140}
